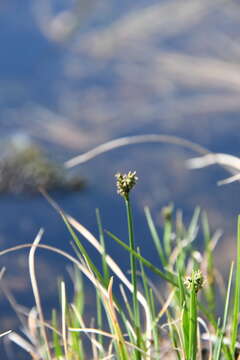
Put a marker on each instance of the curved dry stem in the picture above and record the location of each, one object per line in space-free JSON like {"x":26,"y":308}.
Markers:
{"x":130,"y":140}
{"x":85,"y":271}
{"x":35,"y":290}
{"x":106,"y":334}
{"x":82,"y":324}
{"x":64,"y":329}
{"x":5,"y":333}
{"x":204,"y":325}
{"x":226,"y":160}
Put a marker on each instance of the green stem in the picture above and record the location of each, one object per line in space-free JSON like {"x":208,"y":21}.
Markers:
{"x":192,"y":349}
{"x":133,"y":273}
{"x":236,"y":305}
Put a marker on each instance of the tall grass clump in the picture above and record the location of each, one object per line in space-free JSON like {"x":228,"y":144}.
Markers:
{"x":179,"y":316}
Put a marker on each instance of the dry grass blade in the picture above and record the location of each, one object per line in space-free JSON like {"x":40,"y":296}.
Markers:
{"x":229,"y":162}
{"x":5,"y":333}
{"x":81,"y":267}
{"x":64,"y":332}
{"x":17,"y":339}
{"x":130,"y":140}
{"x":104,"y":333}
{"x":82,"y":324}
{"x":32,"y":323}
{"x":203,"y":323}
{"x":111,"y":302}
{"x":229,"y":180}
{"x":2,"y":272}
{"x":108,"y":357}
{"x":93,"y":331}
{"x":165,"y":307}
{"x":112,"y":314}
{"x":93,"y":339}
{"x":36,"y":292}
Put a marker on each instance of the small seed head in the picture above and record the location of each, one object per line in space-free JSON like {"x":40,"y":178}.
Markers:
{"x":125,"y":183}
{"x":197,"y":279}
{"x":167,"y":212}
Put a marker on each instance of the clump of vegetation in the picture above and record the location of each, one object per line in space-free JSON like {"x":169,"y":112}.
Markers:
{"x":176,"y":320}
{"x":24,"y":167}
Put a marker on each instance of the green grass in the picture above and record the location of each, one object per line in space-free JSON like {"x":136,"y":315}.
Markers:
{"x":179,"y":316}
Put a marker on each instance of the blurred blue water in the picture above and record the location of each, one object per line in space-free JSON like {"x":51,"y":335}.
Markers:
{"x":33,"y":75}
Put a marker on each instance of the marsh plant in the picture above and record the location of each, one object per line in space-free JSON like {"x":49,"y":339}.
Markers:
{"x":175,"y":317}
{"x":185,"y":314}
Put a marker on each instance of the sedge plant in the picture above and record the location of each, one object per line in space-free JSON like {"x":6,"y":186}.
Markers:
{"x":179,"y":316}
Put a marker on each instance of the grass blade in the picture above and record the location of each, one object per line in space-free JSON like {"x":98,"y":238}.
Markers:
{"x":56,"y":339}
{"x":217,"y":350}
{"x":171,"y":278}
{"x":102,"y":242}
{"x":155,"y":236}
{"x":236,"y":294}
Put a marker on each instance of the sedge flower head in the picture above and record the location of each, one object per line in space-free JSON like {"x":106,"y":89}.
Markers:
{"x":197,"y":279}
{"x":125,"y":183}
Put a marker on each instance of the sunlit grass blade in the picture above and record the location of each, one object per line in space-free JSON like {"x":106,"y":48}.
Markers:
{"x":154,"y":315}
{"x":185,"y":313}
{"x":155,"y":236}
{"x":217,"y":349}
{"x":32,"y":272}
{"x":64,"y":322}
{"x":56,"y":338}
{"x":193,"y":226}
{"x":236,"y":306}
{"x":79,"y":293}
{"x":75,"y":238}
{"x":75,"y":340}
{"x":99,"y":316}
{"x":150,"y":300}
{"x":171,"y":278}
{"x":173,"y":335}
{"x":127,"y":304}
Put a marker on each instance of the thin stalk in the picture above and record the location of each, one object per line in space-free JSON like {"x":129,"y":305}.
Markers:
{"x":185,"y":313}
{"x":236,"y":295}
{"x":217,"y":350}
{"x":99,"y":317}
{"x":133,"y":272}
{"x":36,"y":294}
{"x":154,"y":316}
{"x":150,"y":300}
{"x":192,"y":349}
